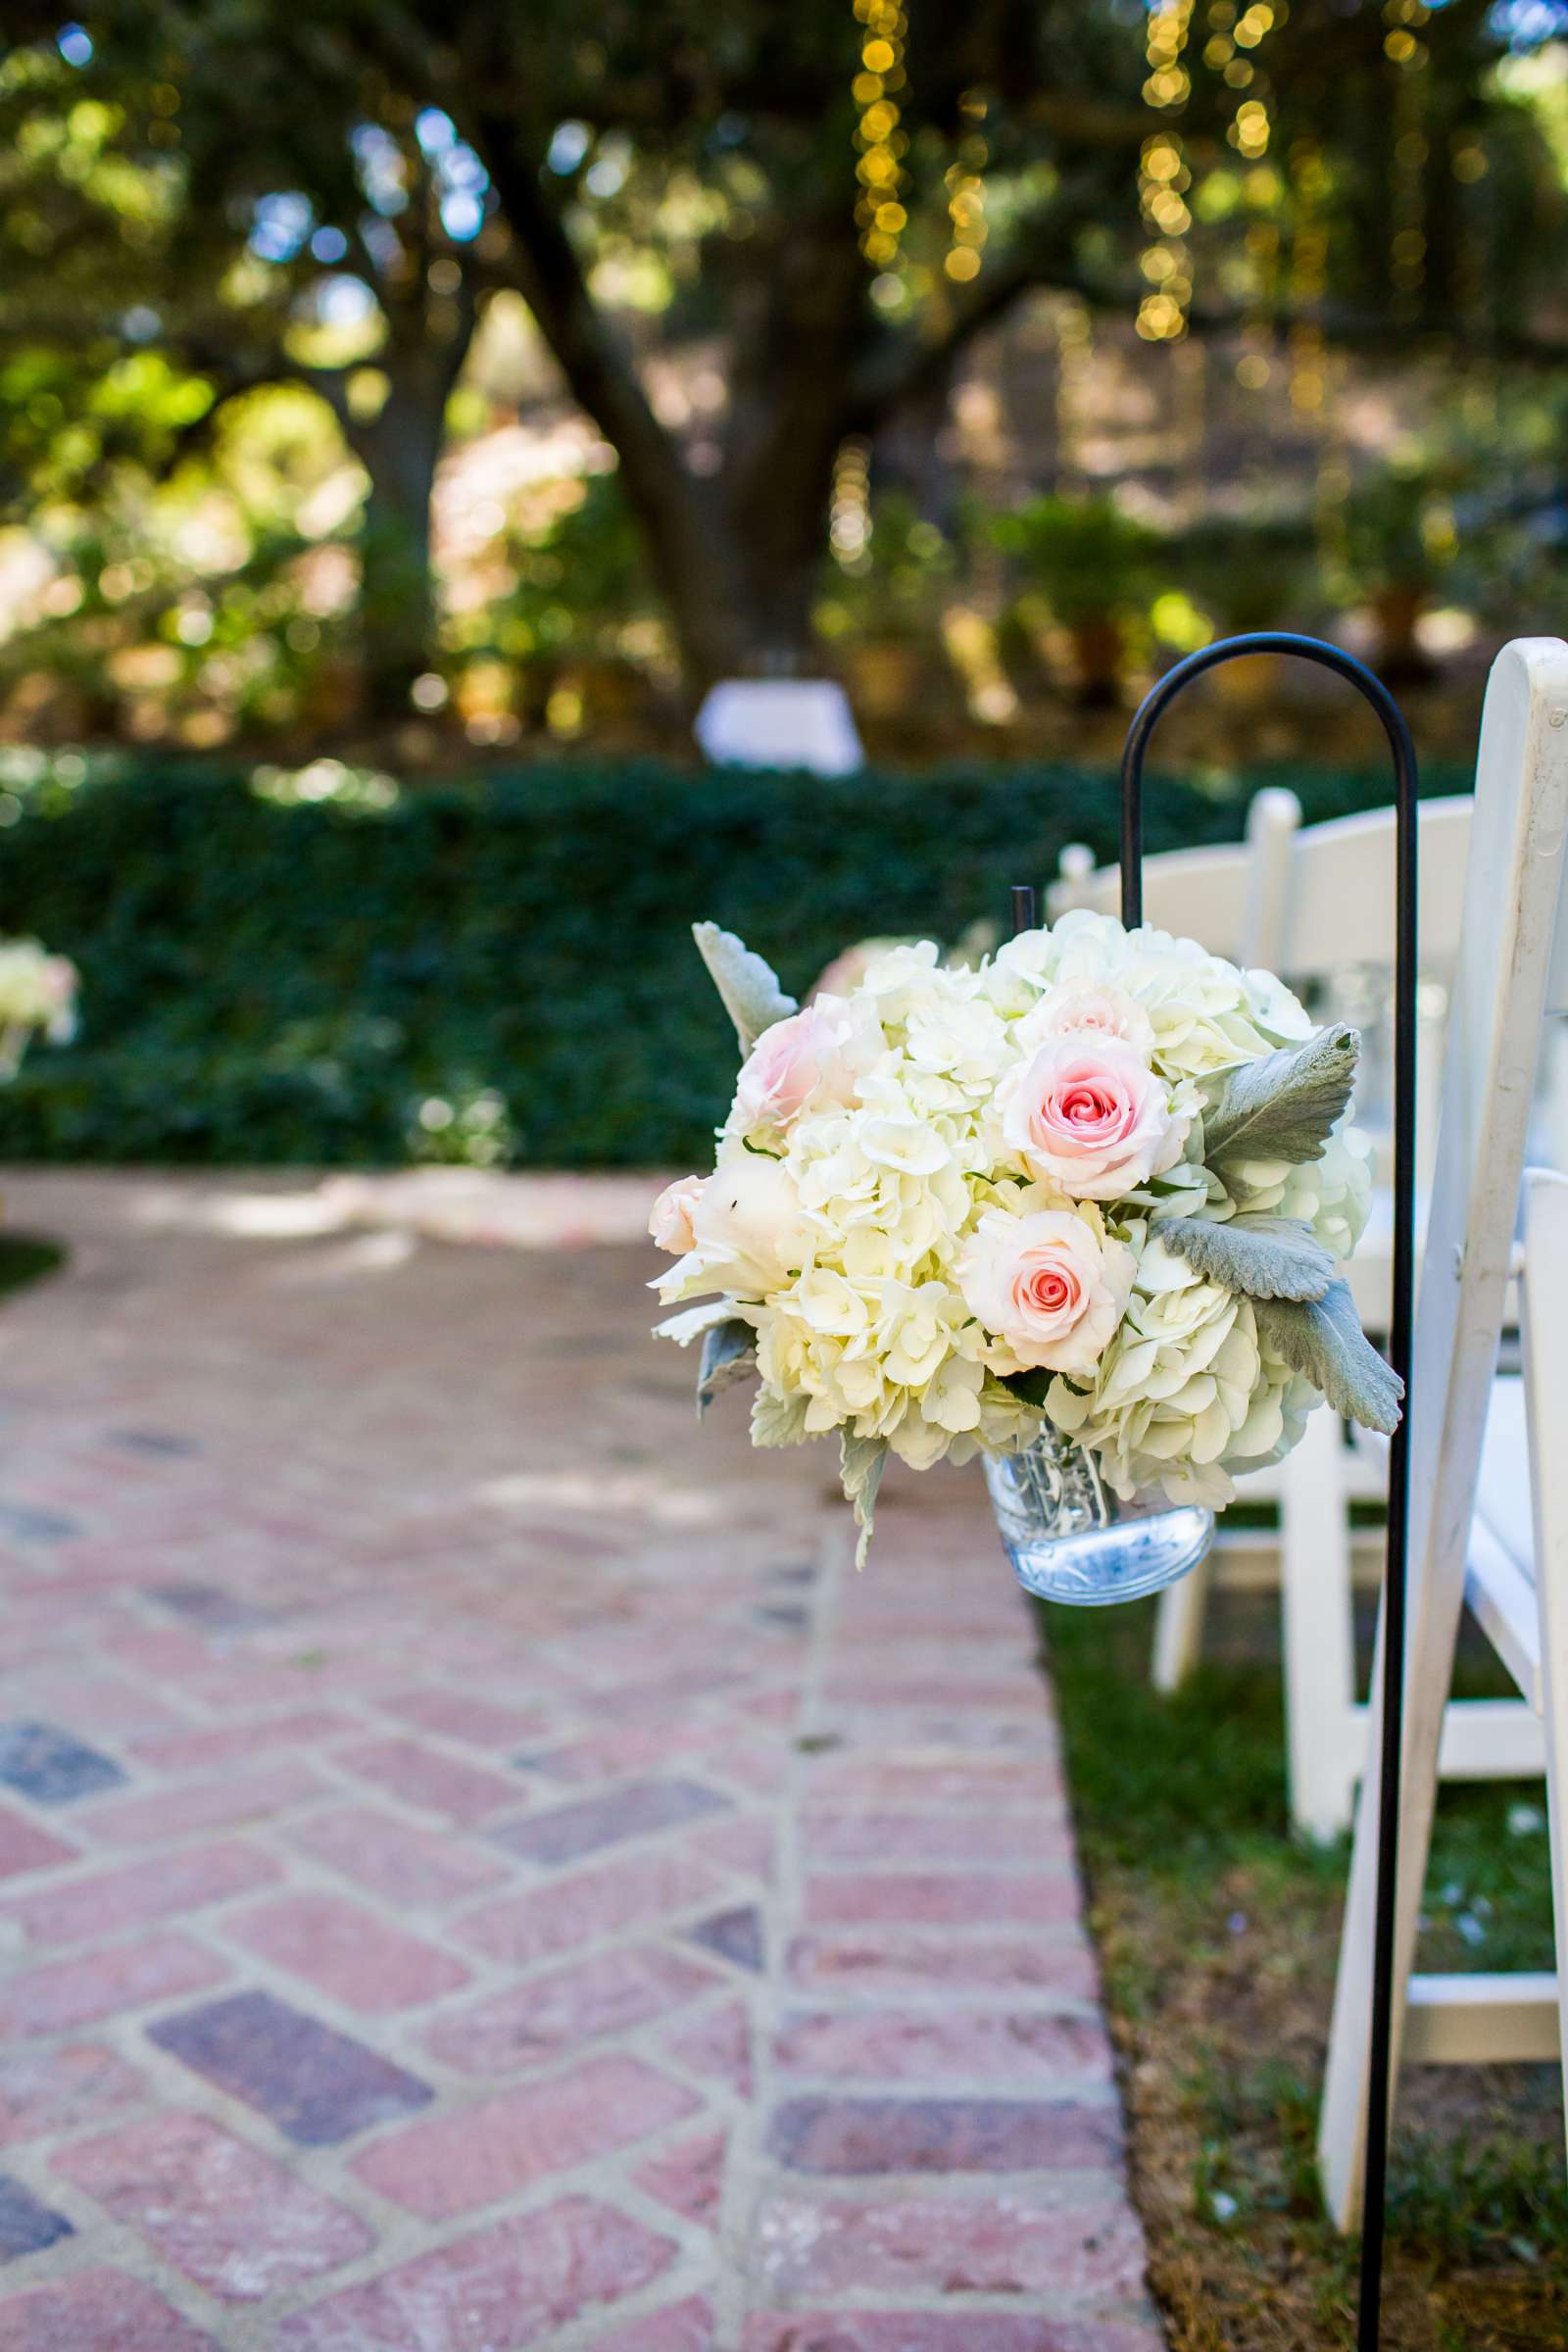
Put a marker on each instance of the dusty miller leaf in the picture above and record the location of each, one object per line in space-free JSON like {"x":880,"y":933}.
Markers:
{"x":729,"y":1354}
{"x":1282,"y":1107}
{"x":1323,"y":1338}
{"x":693,"y":1321}
{"x":1261,"y":1257}
{"x":749,"y":986}
{"x":862,"y":1461}
{"x":778,"y":1420}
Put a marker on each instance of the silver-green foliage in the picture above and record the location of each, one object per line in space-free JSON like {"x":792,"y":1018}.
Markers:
{"x":748,"y":984}
{"x":1323,"y":1338}
{"x":1262,"y":1257}
{"x":1284,"y":1106}
{"x":729,"y":1354}
{"x":862,"y":1461}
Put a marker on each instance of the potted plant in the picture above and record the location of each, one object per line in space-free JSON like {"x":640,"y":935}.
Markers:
{"x":1094,"y":565}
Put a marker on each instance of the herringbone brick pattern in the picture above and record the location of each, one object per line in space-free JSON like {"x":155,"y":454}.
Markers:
{"x":477,"y":1869}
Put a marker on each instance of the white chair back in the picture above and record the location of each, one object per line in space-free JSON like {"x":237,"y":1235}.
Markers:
{"x":1336,"y":947}
{"x":1227,"y":896}
{"x":1500,"y":992}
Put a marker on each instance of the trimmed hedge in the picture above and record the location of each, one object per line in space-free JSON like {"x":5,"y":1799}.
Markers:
{"x":267,"y":983}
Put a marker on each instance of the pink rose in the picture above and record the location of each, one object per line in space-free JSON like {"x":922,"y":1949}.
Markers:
{"x":1090,"y":1114}
{"x":1069,"y":1011}
{"x":1047,"y":1285}
{"x":671,"y":1223}
{"x":810,"y":1058}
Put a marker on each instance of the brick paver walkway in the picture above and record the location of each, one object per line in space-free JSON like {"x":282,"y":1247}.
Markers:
{"x":476,"y":1867}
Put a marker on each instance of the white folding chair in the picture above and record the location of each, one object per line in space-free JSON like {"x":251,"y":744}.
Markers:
{"x":1228,"y":897}
{"x":1507,"y":981}
{"x":1335,"y":941}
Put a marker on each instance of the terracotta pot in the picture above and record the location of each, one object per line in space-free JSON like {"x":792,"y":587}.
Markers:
{"x":1395,"y":613}
{"x":1099,"y":649}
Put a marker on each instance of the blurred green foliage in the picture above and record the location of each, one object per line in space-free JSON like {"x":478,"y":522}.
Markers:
{"x":295,"y":970}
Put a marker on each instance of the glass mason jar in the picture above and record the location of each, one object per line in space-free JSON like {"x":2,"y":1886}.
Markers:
{"x":1070,"y":1538}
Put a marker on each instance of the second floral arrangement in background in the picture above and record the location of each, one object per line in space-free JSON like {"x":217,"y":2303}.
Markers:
{"x":1099,"y":1184}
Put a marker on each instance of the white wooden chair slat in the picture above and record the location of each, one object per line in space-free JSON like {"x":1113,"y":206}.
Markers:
{"x":1333,"y":924}
{"x":1342,"y":889}
{"x":1513,"y":889}
{"x":1228,"y":895}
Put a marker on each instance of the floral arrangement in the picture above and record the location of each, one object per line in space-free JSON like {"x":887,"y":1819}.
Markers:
{"x":37,"y":992}
{"x":1101,"y":1180}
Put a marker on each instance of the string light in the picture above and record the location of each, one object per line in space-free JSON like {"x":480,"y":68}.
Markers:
{"x":1408,"y":55}
{"x":850,"y":507}
{"x":966,"y":194}
{"x":1163,"y":180}
{"x":1310,"y":270}
{"x":1232,"y":52}
{"x":879,"y":211}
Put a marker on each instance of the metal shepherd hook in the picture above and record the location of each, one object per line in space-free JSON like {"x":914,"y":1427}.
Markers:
{"x":1395,"y":1572}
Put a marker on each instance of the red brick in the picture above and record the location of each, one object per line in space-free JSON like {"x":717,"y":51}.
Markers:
{"x":564,"y":1833}
{"x":664,"y":1696}
{"x":103,"y":1706}
{"x":456,"y":1715}
{"x":395,"y":1857}
{"x":516,"y":2285}
{"x":1009,"y":2245}
{"x":942,"y":2331}
{"x":605,"y":1899}
{"x":719,"y":2046}
{"x":747,"y":1844}
{"x":994,"y":1784}
{"x":422,"y":1776}
{"x":167,"y":1652}
{"x":1019,"y":1842}
{"x":904,"y":1962}
{"x":689,"y":2177}
{"x":234,"y":1743}
{"x":347,"y":1953}
{"x":632,"y":1748}
{"x":138,"y":1892}
{"x":928,"y":2045}
{"x":224,"y":1801}
{"x":43,"y":2091}
{"x":23,"y":1848}
{"x":947,"y":1899}
{"x":97,"y":2310}
{"x":450,"y":2163}
{"x":857,"y":2136}
{"x":67,"y":1993}
{"x":230,"y":2218}
{"x":548,"y":2017}
{"x":1003,"y":1693}
{"x":687,"y":2327}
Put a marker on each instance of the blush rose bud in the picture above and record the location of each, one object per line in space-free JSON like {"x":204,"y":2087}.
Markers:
{"x":1089,"y":1113}
{"x":1047,"y":1285}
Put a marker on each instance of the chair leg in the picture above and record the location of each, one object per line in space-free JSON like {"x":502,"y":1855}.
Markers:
{"x":1179,"y":1628}
{"x":1555,"y":1712}
{"x":1434,"y":1633}
{"x":1322,"y":1732}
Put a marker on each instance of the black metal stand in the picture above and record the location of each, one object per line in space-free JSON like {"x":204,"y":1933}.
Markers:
{"x":1395,"y":1572}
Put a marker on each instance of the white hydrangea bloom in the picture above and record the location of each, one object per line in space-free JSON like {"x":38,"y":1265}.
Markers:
{"x":869,"y":1144}
{"x":1332,"y":1195}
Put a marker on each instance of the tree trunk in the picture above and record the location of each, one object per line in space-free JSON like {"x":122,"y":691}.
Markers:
{"x":399,"y":449}
{"x":738,"y":585}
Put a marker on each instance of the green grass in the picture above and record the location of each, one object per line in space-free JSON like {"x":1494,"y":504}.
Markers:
{"x":1218,"y":1933}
